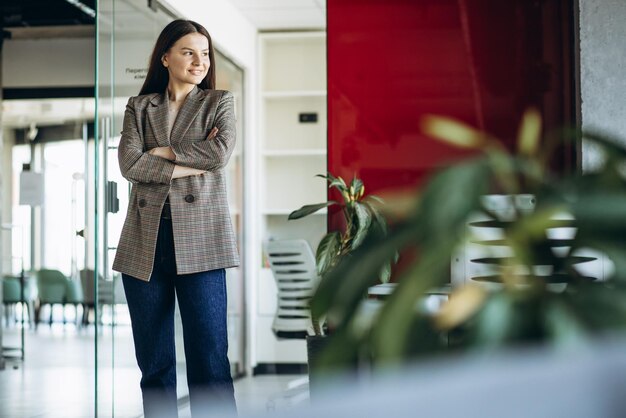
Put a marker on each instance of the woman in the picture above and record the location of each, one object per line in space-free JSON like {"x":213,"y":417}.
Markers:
{"x":178,"y":135}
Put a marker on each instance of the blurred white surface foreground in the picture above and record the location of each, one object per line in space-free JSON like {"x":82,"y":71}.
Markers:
{"x":582,"y":382}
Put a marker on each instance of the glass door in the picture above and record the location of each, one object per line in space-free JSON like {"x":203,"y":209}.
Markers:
{"x":125,"y":35}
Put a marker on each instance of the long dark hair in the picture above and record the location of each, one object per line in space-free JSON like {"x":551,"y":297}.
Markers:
{"x":158,"y":77}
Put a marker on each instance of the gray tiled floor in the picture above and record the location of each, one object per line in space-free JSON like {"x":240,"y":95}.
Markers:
{"x":57,"y":377}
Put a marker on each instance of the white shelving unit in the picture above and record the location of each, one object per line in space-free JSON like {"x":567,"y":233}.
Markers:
{"x":292,"y":82}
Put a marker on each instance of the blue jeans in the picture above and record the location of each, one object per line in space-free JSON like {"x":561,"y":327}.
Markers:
{"x":202,"y":303}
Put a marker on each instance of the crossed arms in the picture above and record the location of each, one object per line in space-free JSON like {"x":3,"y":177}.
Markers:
{"x":162,"y":164}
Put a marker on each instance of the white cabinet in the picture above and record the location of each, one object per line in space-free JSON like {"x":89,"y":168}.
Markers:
{"x":292,"y":115}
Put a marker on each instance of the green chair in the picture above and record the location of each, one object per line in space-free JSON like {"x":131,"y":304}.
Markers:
{"x":74,"y":296}
{"x":11,"y":297}
{"x":110,"y":292}
{"x":87,"y":280}
{"x":52,"y":286}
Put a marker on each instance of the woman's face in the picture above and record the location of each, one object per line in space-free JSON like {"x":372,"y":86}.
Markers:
{"x":187,"y":61}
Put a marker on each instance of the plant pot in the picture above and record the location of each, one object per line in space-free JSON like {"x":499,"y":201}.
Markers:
{"x":315,"y":345}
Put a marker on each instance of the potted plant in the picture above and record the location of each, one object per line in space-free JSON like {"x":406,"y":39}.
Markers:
{"x":523,"y":308}
{"x":362,"y":217}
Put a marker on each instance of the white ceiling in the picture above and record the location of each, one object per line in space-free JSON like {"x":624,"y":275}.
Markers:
{"x":284,"y":14}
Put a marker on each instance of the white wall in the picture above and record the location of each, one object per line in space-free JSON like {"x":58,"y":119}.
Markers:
{"x":602,"y":70}
{"x":236,"y":37}
{"x":231,"y":31}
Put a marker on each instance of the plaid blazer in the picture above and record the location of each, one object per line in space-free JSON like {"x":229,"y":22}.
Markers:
{"x":203,"y":233}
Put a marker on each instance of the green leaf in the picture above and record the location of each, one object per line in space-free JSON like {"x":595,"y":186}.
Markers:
{"x":364,"y":219}
{"x":451,"y":196}
{"x":529,"y":133}
{"x":494,"y":321}
{"x":385,"y":273}
{"x":527,"y":236}
{"x":376,"y":198}
{"x":379,"y":219}
{"x":439,"y":222}
{"x":327,"y":251}
{"x":336,"y":182}
{"x":504,"y":168}
{"x":333,"y":181}
{"x":328,"y":176}
{"x":452,"y":132}
{"x":339,"y":184}
{"x":600,"y":305}
{"x":600,"y":215}
{"x":392,"y":331}
{"x":597,"y":202}
{"x":563,"y":325}
{"x":379,"y":226}
{"x":343,"y":348}
{"x":356,"y":185}
{"x":309,"y":209}
{"x":341,"y":289}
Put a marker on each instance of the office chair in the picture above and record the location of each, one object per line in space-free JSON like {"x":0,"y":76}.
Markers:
{"x":11,"y":297}
{"x":293,"y":265}
{"x":110,"y":292}
{"x":52,"y":286}
{"x":74,"y":296}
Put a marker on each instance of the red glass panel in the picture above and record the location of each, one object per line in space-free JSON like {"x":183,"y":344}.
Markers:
{"x":482,"y":61}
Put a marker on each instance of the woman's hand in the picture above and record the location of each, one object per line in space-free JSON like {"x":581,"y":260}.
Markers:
{"x":163,"y":152}
{"x":213,"y":133}
{"x":181,"y":171}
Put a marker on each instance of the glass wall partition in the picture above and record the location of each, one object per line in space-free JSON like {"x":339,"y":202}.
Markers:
{"x":125,"y":35}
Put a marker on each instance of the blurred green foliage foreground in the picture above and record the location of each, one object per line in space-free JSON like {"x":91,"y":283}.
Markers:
{"x":522,"y":307}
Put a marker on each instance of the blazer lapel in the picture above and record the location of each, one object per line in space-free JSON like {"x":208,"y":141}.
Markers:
{"x":186,"y":114}
{"x":157,"y":115}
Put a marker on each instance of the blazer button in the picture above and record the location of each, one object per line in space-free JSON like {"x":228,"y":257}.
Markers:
{"x":189,"y":198}
{"x":142,"y":203}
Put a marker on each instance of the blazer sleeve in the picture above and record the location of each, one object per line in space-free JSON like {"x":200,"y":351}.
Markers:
{"x":211,"y":154}
{"x":136,"y":165}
